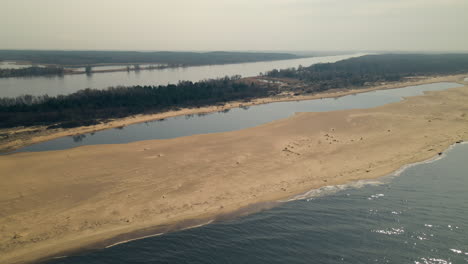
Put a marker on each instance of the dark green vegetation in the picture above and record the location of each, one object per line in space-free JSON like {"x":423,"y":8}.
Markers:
{"x":123,"y":57}
{"x":371,"y":69}
{"x":88,"y":106}
{"x":31,"y":71}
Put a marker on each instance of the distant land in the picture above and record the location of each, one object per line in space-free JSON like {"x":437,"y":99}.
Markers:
{"x":56,"y":62}
{"x":83,"y":58}
{"x":91,"y":107}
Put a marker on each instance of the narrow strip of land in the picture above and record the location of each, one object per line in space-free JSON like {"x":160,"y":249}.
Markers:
{"x":62,"y":62}
{"x":62,"y":200}
{"x":18,"y":137}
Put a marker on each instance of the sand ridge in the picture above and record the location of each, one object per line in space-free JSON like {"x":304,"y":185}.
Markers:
{"x":60,"y":200}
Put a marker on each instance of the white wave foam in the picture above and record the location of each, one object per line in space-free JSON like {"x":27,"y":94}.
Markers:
{"x":158,"y":234}
{"x":200,"y":225}
{"x":456,"y":251}
{"x":407,"y":166}
{"x":129,"y":240}
{"x":332,"y":189}
{"x":433,"y":159}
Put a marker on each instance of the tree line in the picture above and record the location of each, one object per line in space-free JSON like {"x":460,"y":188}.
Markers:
{"x":90,"y":106}
{"x":31,"y":71}
{"x":60,"y":57}
{"x":371,"y":69}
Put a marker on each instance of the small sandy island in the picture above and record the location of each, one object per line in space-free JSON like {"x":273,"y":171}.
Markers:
{"x":57,"y":201}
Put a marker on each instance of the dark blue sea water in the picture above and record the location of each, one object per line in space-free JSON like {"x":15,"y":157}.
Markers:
{"x":234,"y":119}
{"x":419,"y":216}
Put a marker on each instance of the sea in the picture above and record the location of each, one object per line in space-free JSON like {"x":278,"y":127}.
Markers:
{"x":418,"y":215}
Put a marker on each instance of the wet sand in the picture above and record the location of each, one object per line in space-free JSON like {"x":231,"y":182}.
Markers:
{"x":15,"y":138}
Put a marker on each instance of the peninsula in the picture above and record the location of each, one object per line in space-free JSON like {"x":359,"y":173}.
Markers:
{"x":59,"y":201}
{"x":30,"y":119}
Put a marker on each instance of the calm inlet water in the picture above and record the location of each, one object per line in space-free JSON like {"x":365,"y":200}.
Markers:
{"x":234,"y":119}
{"x":420,"y":216}
{"x":11,"y":87}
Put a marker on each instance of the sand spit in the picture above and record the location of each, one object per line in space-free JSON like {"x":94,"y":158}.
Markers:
{"x":57,"y":201}
{"x":15,"y":138}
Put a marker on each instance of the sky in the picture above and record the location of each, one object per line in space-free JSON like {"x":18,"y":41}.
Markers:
{"x":203,"y":25}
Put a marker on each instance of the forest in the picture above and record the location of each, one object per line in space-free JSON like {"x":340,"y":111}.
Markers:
{"x":372,"y":69}
{"x":31,"y":71}
{"x":90,"y":106}
{"x":83,"y":58}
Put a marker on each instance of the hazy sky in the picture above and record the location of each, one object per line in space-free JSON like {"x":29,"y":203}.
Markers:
{"x":234,"y":25}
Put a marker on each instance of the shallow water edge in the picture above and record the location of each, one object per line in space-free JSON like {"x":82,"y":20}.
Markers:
{"x":247,"y":210}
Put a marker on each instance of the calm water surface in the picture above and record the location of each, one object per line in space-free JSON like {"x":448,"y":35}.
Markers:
{"x":234,"y":119}
{"x":419,"y":217}
{"x":54,"y":85}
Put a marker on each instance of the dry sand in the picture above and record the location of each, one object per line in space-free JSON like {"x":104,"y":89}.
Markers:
{"x":56,"y":201}
{"x":15,"y":138}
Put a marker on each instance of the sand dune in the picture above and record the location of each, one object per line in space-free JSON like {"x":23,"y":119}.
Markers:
{"x":63,"y":200}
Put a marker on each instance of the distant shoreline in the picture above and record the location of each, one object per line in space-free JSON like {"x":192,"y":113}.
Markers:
{"x":165,"y":59}
{"x":69,"y":69}
{"x":149,"y":67}
{"x":37,"y":134}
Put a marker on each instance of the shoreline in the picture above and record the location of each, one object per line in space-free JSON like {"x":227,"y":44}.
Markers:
{"x":38,"y":134}
{"x":71,"y":69}
{"x":311,"y":194}
{"x":162,"y":183}
{"x":244,"y":211}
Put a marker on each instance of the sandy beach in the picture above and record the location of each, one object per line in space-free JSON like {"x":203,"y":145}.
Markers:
{"x":15,"y":138}
{"x":58,"y":201}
